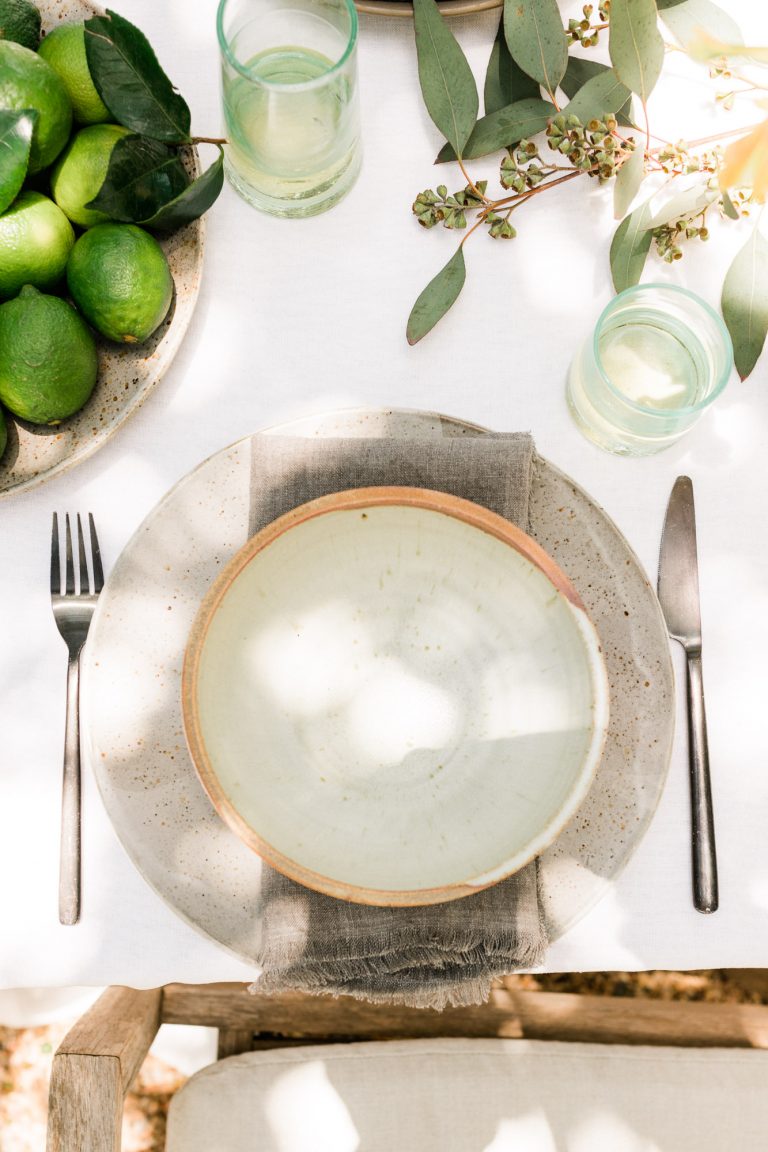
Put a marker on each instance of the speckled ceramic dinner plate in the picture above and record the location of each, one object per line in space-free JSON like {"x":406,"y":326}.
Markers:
{"x":131,"y":687}
{"x":127,"y":374}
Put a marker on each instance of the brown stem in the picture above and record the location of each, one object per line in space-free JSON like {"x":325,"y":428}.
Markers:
{"x":208,"y":140}
{"x":470,"y":184}
{"x":751,"y":85}
{"x":480,"y":220}
{"x":718,"y":136}
{"x":520,"y":197}
{"x":553,"y":99}
{"x":647,"y":128}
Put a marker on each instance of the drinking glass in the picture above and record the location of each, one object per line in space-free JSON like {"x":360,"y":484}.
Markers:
{"x":658,"y":357}
{"x":289,"y":87}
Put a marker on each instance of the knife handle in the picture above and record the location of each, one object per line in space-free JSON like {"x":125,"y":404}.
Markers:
{"x":705,"y":893}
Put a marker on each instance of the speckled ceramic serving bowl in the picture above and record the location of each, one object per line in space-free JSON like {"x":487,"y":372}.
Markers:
{"x":127,"y":373}
{"x":394,"y":696}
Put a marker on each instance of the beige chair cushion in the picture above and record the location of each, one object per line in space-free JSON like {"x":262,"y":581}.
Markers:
{"x":476,"y":1096}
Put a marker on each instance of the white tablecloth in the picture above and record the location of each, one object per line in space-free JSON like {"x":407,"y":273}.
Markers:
{"x":298,"y":317}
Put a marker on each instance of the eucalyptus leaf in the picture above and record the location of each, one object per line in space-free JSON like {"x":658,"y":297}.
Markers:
{"x":143,"y":175}
{"x":131,"y":82}
{"x":602,"y":94}
{"x":628,"y":181}
{"x":745,"y":302}
{"x":664,"y":4}
{"x":501,"y":129}
{"x":437,"y":298}
{"x":536,"y":40}
{"x":629,"y":248}
{"x":505,"y":81}
{"x":635,"y":45}
{"x":680,"y":198}
{"x":196,"y":199}
{"x":580,"y":71}
{"x":691,"y":17}
{"x":729,"y":208}
{"x":15,"y":142}
{"x":446,"y":79}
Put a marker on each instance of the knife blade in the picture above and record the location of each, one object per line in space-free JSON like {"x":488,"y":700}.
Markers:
{"x":678,"y":589}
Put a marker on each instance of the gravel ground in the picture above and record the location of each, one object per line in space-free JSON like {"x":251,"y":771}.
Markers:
{"x":26,"y":1054}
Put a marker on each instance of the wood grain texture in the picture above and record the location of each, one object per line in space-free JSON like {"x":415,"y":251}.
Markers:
{"x":121,"y":1024}
{"x":533,"y":1015}
{"x":93,"y":1068}
{"x":85,"y":1109}
{"x":100,"y":1055}
{"x":233,"y":1041}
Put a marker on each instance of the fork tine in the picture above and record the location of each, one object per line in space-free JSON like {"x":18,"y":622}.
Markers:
{"x":82,"y":562}
{"x":98,"y":571}
{"x":55,"y":561}
{"x":70,"y":574}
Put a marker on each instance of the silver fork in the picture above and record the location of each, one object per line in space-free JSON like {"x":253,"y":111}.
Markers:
{"x":73,"y":596}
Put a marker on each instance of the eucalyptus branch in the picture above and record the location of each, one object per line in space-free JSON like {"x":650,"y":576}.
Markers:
{"x":728,"y":135}
{"x":531,"y":57}
{"x":523,"y":196}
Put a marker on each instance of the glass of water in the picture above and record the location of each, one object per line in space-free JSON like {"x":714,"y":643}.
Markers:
{"x":289,"y":86}
{"x":657,"y":359}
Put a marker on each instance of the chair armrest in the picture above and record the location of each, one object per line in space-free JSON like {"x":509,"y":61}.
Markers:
{"x":93,"y":1069}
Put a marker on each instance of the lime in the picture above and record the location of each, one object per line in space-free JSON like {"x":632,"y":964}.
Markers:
{"x":26,"y":81}
{"x":20,"y":22}
{"x":64,"y":49}
{"x":119,"y":278}
{"x":80,"y":172}
{"x":35,"y":241}
{"x":48,"y":360}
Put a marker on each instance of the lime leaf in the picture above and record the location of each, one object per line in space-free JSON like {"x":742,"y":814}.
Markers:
{"x":15,"y":142}
{"x":131,"y":82}
{"x":628,"y":181}
{"x":501,"y":129}
{"x":694,"y":16}
{"x":447,"y":83}
{"x":505,"y":81}
{"x":602,"y":94}
{"x":629,"y":248}
{"x":437,"y":298}
{"x":143,"y":175}
{"x":745,"y":302}
{"x":579,"y":72}
{"x":635,"y":45}
{"x":536,"y":40}
{"x":196,"y":199}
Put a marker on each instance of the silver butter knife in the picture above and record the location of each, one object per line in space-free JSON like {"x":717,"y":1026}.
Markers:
{"x":679,"y":596}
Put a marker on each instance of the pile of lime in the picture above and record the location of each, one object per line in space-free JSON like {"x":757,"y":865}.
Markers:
{"x":66,"y":270}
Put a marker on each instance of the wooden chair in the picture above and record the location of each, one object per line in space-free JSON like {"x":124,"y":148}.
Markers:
{"x":99,"y":1057}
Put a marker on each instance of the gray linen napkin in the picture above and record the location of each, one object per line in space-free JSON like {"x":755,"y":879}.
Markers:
{"x":429,"y":956}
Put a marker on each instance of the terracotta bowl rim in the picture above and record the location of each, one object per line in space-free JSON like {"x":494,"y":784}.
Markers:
{"x":353,"y":499}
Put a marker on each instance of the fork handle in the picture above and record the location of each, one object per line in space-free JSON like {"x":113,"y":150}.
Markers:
{"x":705,"y":893}
{"x":69,"y":861}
